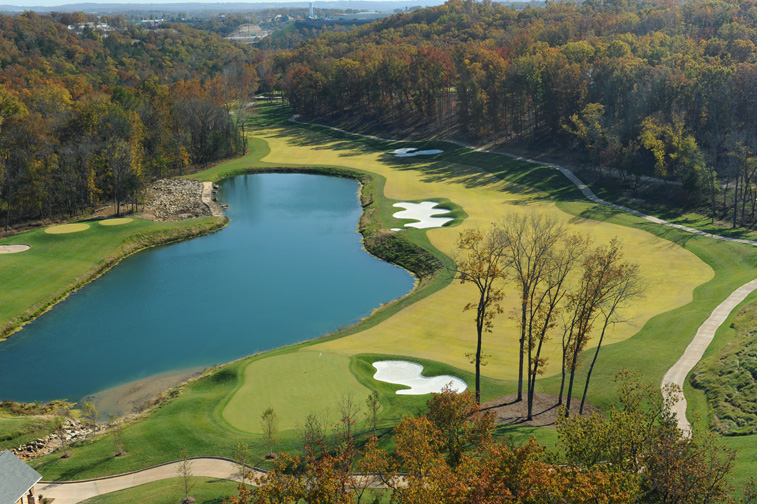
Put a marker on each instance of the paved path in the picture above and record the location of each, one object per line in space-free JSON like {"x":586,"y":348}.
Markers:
{"x":588,"y":193}
{"x":676,"y":374}
{"x":77,"y":491}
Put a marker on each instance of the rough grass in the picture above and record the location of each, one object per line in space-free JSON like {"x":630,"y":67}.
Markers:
{"x":171,"y":491}
{"x":57,"y":264}
{"x":728,"y":377}
{"x":19,"y":430}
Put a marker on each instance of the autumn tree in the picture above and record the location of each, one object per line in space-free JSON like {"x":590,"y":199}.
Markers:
{"x":588,"y":127}
{"x":528,"y":244}
{"x":242,"y":457}
{"x":373,"y":405}
{"x":639,"y":437}
{"x":116,"y":429}
{"x":624,"y":284}
{"x":269,"y":424}
{"x":462,"y":425}
{"x":90,"y":414}
{"x":600,"y":284}
{"x":184,"y":470}
{"x":481,"y":261}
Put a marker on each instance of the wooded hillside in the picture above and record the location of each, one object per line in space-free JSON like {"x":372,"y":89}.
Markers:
{"x":89,"y":114}
{"x":653,"y":87}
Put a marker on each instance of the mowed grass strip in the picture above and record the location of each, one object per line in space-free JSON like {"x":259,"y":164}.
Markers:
{"x":295,"y":385}
{"x":171,"y":491}
{"x":57,"y":263}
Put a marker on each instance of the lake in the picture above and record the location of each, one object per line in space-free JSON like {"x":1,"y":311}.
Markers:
{"x":289,"y":267}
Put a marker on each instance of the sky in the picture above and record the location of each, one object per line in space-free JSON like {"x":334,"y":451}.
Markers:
{"x":53,"y":3}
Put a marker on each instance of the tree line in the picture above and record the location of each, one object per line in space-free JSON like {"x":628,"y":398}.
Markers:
{"x":664,"y":89}
{"x":449,"y":455}
{"x":565,"y":287}
{"x":91,"y":116}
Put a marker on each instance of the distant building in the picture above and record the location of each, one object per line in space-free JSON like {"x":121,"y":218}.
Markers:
{"x":17,"y":480}
{"x":151,"y":24}
{"x":94,"y":26}
{"x":311,"y":9}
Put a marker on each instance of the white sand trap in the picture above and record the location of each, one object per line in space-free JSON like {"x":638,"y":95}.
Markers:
{"x":412,"y":152}
{"x":424,"y":213}
{"x":409,"y":373}
{"x":115,"y":222}
{"x":67,"y":228}
{"x":13,"y":249}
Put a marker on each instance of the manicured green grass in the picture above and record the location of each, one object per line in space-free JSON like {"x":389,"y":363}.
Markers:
{"x":295,"y":385}
{"x":59,"y":263}
{"x":663,"y":339}
{"x":170,"y":491}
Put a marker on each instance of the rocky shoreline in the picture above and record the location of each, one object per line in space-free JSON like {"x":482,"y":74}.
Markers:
{"x":71,"y":431}
{"x":171,"y":200}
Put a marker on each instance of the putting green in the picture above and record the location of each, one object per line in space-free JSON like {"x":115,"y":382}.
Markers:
{"x":67,"y":228}
{"x":115,"y":222}
{"x":295,"y":385}
{"x":435,"y":327}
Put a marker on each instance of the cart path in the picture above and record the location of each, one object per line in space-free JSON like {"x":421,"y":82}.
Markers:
{"x":677,"y":374}
{"x":694,"y":352}
{"x":588,"y":193}
{"x":72,"y":492}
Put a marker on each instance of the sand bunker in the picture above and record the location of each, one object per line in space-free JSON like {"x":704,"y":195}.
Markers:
{"x":409,"y":373}
{"x":422,"y":212}
{"x":412,"y":152}
{"x":13,"y":249}
{"x":67,"y":228}
{"x":115,"y":222}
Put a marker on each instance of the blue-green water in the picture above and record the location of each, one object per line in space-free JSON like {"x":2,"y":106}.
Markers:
{"x":289,"y":267}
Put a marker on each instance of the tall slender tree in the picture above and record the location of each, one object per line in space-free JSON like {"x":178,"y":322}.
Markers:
{"x":482,"y":261}
{"x":528,"y":242}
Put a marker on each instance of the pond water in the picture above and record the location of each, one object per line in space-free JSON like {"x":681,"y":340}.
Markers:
{"x":289,"y":267}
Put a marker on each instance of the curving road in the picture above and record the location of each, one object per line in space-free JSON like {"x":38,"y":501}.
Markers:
{"x":72,"y":492}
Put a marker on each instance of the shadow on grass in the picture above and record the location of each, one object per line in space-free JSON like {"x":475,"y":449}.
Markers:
{"x":458,"y":164}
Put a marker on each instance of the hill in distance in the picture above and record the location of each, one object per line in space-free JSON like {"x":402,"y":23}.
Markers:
{"x":114,"y":8}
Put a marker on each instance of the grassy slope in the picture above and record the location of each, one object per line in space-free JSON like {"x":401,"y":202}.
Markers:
{"x":656,"y":347}
{"x":59,"y":263}
{"x":17,"y":430}
{"x":170,"y":491}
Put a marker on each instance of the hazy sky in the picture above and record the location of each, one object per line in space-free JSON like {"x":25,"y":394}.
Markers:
{"x":51,"y":3}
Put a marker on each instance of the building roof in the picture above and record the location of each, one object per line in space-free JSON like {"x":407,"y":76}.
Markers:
{"x":16,"y":478}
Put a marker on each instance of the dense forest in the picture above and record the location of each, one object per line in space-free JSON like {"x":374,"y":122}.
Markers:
{"x":667,"y":89}
{"x":91,"y":114}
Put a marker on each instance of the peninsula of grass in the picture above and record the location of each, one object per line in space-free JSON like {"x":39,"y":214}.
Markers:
{"x":59,"y":263}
